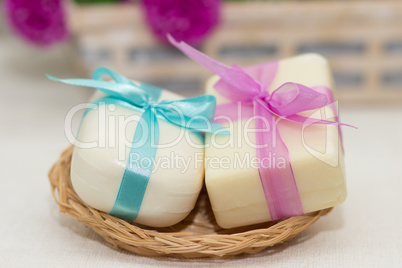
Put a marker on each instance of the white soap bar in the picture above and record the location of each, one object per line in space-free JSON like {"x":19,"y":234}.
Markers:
{"x":235,"y":190}
{"x":173,"y":187}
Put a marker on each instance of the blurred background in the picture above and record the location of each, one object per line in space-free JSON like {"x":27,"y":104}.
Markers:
{"x":69,"y":39}
{"x":362,"y":39}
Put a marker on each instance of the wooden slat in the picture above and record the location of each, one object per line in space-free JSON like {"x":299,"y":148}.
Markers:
{"x":285,"y":25}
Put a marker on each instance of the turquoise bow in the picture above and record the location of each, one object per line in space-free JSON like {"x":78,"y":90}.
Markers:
{"x":193,"y":114}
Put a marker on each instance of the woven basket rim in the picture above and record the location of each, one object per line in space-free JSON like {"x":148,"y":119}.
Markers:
{"x":172,"y":241}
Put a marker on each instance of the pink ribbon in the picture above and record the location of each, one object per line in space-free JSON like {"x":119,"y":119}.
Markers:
{"x":249,"y":87}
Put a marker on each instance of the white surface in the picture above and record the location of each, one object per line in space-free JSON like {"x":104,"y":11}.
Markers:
{"x":365,"y":231}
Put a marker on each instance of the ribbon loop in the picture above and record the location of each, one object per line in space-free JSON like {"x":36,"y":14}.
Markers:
{"x":264,"y":96}
{"x":187,"y":113}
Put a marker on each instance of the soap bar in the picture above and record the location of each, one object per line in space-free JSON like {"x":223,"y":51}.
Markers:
{"x":232,"y":180}
{"x":97,"y":172}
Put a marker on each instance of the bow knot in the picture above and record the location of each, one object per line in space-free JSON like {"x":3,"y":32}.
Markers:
{"x":264,"y":96}
{"x":150,"y":104}
{"x":250,"y":84}
{"x":194,"y":113}
{"x":237,"y":84}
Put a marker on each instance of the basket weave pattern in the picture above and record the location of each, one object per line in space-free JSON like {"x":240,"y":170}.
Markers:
{"x":197,"y":235}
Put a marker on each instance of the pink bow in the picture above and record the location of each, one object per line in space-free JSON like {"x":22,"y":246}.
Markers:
{"x":238,"y":85}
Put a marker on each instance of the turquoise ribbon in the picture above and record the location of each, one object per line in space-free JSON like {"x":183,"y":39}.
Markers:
{"x":193,"y":114}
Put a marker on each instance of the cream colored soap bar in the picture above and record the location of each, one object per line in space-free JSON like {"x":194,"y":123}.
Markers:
{"x":235,"y":190}
{"x":96,"y":173}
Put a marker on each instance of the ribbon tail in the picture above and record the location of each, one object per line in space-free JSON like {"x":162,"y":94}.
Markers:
{"x":137,"y":173}
{"x":153,"y":92}
{"x":203,"y":105}
{"x":309,"y":120}
{"x":196,"y":123}
{"x":333,"y":107}
{"x":128,"y":92}
{"x":275,"y":169}
{"x":242,"y":85}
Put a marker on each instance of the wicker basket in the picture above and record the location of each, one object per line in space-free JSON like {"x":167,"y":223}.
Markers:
{"x":198,"y":235}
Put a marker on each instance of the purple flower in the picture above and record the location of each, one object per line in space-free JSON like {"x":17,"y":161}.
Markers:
{"x":185,"y":20}
{"x":40,"y":22}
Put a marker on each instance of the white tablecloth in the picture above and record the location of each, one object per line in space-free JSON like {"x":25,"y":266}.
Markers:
{"x":365,"y":231}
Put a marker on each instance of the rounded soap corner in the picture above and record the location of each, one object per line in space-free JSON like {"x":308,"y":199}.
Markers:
{"x":210,"y":84}
{"x":223,"y":225}
{"x":314,"y":57}
{"x":343,"y":196}
{"x":340,"y":197}
{"x":161,"y":220}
